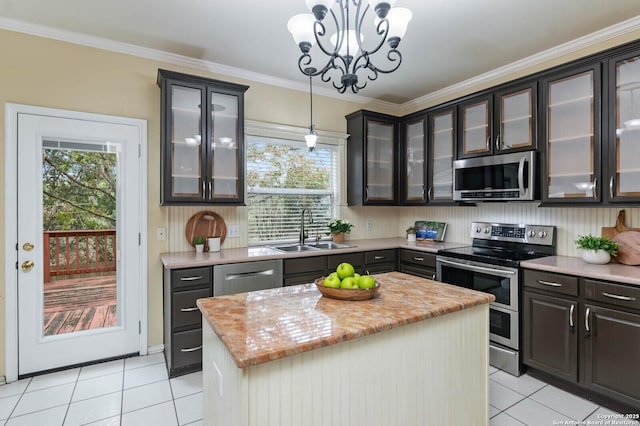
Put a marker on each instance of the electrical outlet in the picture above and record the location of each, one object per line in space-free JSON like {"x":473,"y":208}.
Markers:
{"x":369,"y":225}
{"x":233,"y":231}
{"x":161,"y":234}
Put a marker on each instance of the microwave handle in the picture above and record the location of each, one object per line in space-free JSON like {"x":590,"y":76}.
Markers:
{"x":521,"y":188}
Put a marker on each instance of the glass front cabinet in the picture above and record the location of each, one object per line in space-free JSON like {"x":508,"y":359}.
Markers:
{"x":622,"y":167}
{"x":202,"y":138}
{"x":571,"y":130}
{"x":413,"y":178}
{"x":498,"y":122}
{"x":442,"y":142}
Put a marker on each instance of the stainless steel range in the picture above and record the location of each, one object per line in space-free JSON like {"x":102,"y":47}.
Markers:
{"x":492,"y":265}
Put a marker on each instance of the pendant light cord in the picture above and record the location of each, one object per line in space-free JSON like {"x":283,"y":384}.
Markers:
{"x":311,"y":103}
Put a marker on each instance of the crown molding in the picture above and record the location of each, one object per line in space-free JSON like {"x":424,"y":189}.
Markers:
{"x":572,"y":46}
{"x":556,"y":52}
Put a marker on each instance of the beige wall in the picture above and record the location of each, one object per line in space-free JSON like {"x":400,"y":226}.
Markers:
{"x":43,"y":72}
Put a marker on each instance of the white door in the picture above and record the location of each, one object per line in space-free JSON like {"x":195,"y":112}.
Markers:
{"x":78,"y":290}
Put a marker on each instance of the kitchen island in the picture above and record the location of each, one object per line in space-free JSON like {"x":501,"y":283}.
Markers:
{"x":416,"y":354}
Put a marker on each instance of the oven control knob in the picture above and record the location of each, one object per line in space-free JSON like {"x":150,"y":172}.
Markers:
{"x":478,"y":230}
{"x":542,"y":234}
{"x":487,"y":230}
{"x":532,"y":233}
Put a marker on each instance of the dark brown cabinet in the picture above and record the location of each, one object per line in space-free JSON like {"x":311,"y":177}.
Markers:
{"x":304,"y":270}
{"x":442,"y":151}
{"x":584,"y":332}
{"x":417,"y":263}
{"x":202,"y":140}
{"x":182,"y":318}
{"x":380,"y":261}
{"x":414,"y":167}
{"x":371,"y":159}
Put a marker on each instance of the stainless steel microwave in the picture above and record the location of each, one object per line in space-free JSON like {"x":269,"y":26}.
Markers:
{"x":505,"y":177}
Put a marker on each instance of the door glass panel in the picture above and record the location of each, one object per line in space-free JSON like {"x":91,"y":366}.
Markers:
{"x":379,"y":161}
{"x":571,"y":137}
{"x":186,"y":138}
{"x":516,"y":120}
{"x":627,"y":170}
{"x":224,"y":145}
{"x":443,"y":140}
{"x":79,"y":182}
{"x":415,"y":189}
{"x":476,"y":128}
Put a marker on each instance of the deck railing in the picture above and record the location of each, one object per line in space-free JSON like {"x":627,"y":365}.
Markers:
{"x":79,"y":252}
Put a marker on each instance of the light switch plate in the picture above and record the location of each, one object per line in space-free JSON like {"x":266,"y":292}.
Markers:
{"x":233,"y":231}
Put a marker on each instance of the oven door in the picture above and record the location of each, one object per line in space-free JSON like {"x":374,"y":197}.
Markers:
{"x":500,"y":281}
{"x":503,"y":327}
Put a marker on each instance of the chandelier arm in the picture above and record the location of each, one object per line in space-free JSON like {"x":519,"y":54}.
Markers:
{"x":359,"y":20}
{"x":390,"y":56}
{"x":319,"y":30}
{"x":382,"y":32}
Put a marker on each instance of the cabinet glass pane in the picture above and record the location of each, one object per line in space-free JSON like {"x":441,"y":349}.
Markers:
{"x":415,"y":156}
{"x":570,"y":141}
{"x":516,"y":120}
{"x":379,"y":161}
{"x":443,"y":156}
{"x":186,"y":138}
{"x":224,"y":146}
{"x":476,"y":128}
{"x":627,"y":160}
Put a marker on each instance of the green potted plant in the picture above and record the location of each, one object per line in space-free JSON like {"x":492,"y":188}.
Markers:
{"x":411,"y":234}
{"x":337,"y":229}
{"x":597,"y":249}
{"x":199,"y":243}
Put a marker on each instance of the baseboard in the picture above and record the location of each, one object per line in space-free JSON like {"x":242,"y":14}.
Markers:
{"x":155,"y":349}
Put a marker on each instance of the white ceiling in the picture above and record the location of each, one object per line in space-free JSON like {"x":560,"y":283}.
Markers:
{"x":448,"y":41}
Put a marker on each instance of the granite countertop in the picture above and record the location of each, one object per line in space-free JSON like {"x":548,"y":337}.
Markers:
{"x":576,"y":266}
{"x":189,"y":259}
{"x":267,"y":325}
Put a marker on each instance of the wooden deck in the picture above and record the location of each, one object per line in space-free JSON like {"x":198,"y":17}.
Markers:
{"x":79,"y":304}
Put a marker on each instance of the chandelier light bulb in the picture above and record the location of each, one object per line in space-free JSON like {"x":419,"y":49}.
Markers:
{"x":301,"y":28}
{"x":354,"y":48}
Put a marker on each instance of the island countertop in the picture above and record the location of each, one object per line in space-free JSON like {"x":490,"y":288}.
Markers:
{"x":267,"y":325}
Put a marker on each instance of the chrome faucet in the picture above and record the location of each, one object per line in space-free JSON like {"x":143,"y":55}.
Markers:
{"x":303,"y":233}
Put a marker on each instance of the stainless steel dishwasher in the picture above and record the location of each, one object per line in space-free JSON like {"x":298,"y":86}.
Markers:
{"x":248,"y":276}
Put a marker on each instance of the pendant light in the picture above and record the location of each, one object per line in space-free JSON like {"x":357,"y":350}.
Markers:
{"x":312,"y":137}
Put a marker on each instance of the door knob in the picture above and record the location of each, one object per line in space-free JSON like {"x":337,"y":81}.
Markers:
{"x":27,"y":246}
{"x":27,"y":265}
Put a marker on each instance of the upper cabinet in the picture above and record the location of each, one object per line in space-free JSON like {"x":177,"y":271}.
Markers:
{"x":371,"y":152}
{"x":413,"y":163}
{"x":441,"y":143}
{"x":202,"y":140}
{"x":498,"y":122}
{"x":622,"y":167}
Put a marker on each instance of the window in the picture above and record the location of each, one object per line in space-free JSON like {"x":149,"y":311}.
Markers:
{"x":283,"y":178}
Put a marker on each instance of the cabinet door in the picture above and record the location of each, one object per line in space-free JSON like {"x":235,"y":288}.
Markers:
{"x":623,"y":174}
{"x":442,"y":140}
{"x":550,"y":340}
{"x":515,"y":114}
{"x":572,"y":137}
{"x":380,"y":162}
{"x":184,"y":146}
{"x":226,"y":148}
{"x":475,"y":130}
{"x":414,"y":176}
{"x":612,"y":351}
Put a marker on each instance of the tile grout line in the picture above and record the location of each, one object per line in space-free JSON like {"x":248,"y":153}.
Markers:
{"x":18,"y":401}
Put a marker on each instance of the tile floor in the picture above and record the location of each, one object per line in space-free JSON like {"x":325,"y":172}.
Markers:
{"x":136,"y":391}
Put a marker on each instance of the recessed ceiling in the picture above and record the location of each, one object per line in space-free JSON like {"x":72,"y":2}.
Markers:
{"x":447,"y":41}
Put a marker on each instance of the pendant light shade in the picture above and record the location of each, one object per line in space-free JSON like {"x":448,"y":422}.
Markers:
{"x":301,"y":28}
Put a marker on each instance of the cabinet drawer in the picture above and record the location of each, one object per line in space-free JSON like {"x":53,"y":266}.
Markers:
{"x":305,"y":264}
{"x":185,"y":311}
{"x":426,"y":272}
{"x":613,"y":294}
{"x":187,"y":348}
{"x":190,"y":277}
{"x":555,"y":283}
{"x":356,"y":259}
{"x":418,"y":258}
{"x":379,"y":256}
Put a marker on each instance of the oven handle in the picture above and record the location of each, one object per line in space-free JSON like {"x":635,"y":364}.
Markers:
{"x":521,"y":176}
{"x":477,"y":268}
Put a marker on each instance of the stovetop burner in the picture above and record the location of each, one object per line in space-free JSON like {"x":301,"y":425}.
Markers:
{"x":506,"y":244}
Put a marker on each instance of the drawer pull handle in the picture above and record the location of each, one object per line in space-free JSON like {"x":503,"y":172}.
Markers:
{"x":549,"y":283}
{"x":252,"y":274}
{"x":188,"y":309}
{"x":571,"y":317}
{"x":433,"y":277}
{"x":615,"y":296}
{"x":197,"y":348}
{"x":190,"y":278}
{"x":419,"y":259}
{"x":586,"y":323}
{"x":378,"y":257}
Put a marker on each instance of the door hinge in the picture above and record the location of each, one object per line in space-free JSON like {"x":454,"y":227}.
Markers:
{"x":16,"y":265}
{"x":139,"y":327}
{"x":139,"y":151}
{"x":139,"y":238}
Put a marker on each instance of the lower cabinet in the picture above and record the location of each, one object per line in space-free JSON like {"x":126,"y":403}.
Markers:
{"x":380,"y":261}
{"x":182,"y":318}
{"x":304,"y":270}
{"x":584,"y":332}
{"x":417,"y":263}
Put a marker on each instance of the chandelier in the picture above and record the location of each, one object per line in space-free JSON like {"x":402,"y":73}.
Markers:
{"x":349,"y":62}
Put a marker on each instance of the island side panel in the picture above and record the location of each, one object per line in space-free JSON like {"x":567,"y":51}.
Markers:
{"x":433,"y":372}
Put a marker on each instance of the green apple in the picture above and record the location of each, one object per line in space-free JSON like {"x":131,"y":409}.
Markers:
{"x":332,"y":281}
{"x":349,"y":282}
{"x":366,"y":281}
{"x":356,"y":276}
{"x":345,"y":270}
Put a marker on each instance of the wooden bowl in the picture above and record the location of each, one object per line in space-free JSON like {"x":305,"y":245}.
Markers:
{"x":346,"y":293}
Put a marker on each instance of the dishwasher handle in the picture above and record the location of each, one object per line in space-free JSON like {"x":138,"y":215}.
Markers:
{"x":252,"y":274}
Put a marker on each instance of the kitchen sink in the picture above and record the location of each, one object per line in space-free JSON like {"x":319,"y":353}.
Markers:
{"x":295,"y":248}
{"x":328,"y":245}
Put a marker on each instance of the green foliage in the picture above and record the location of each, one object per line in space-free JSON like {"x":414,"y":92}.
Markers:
{"x":198,"y":240}
{"x":339,"y":225}
{"x":589,"y":242}
{"x":411,"y":230}
{"x":79,"y":190}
